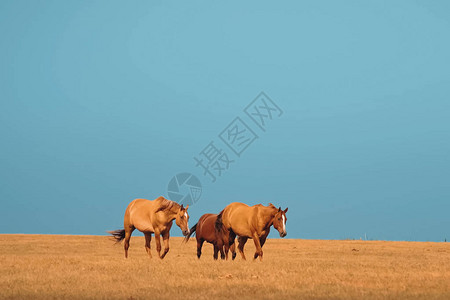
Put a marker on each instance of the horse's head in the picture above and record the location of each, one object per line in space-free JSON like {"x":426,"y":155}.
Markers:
{"x":279,"y":221}
{"x":182,"y":219}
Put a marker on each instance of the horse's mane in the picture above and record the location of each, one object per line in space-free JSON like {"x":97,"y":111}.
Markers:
{"x":166,"y":205}
{"x":219,"y":224}
{"x":268,"y":206}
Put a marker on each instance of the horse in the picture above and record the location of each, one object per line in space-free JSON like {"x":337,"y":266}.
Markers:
{"x":205,"y":230}
{"x":251,"y":222}
{"x":152,"y":216}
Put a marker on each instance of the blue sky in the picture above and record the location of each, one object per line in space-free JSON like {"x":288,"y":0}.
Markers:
{"x":104,"y":102}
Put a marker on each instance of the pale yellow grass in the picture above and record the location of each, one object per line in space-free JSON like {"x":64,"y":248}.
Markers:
{"x":93,"y":267}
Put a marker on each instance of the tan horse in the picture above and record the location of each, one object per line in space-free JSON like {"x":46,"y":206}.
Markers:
{"x":251,"y":222}
{"x":152,"y":217}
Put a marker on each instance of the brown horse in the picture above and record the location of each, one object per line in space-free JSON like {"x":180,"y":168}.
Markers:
{"x":205,"y":230}
{"x":251,"y":222}
{"x":152,"y":217}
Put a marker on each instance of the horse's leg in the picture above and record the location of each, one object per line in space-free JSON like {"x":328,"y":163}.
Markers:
{"x":242,"y":240}
{"x":225,"y":250}
{"x":230,"y":246}
{"x":148,"y":239}
{"x":233,"y":251}
{"x":216,"y":252}
{"x":166,"y":244}
{"x":231,"y":238}
{"x":158,"y":243}
{"x":262,"y":240}
{"x":219,"y":245}
{"x":222,"y":253}
{"x":259,"y":251}
{"x":126,"y":243}
{"x":199,"y":247}
{"x":226,"y":247}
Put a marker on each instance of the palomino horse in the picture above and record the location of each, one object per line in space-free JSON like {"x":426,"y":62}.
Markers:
{"x":205,"y":231}
{"x":251,"y":222}
{"x":152,"y":217}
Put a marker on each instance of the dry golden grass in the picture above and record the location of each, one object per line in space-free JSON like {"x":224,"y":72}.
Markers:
{"x":93,"y":267}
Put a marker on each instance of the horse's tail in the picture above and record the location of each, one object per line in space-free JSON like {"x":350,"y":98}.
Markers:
{"x":118,"y":235}
{"x":219,"y":223}
{"x":191,"y":232}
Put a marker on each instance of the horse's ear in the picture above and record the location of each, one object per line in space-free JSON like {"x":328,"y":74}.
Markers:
{"x":285,"y":211}
{"x":187,"y":206}
{"x":182,"y":207}
{"x":279,"y":209}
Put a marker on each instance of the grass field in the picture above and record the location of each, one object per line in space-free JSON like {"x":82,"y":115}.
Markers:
{"x":93,"y":267}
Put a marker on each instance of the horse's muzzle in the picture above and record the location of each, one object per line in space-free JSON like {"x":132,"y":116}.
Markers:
{"x":283,"y":234}
{"x":186,"y":232}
